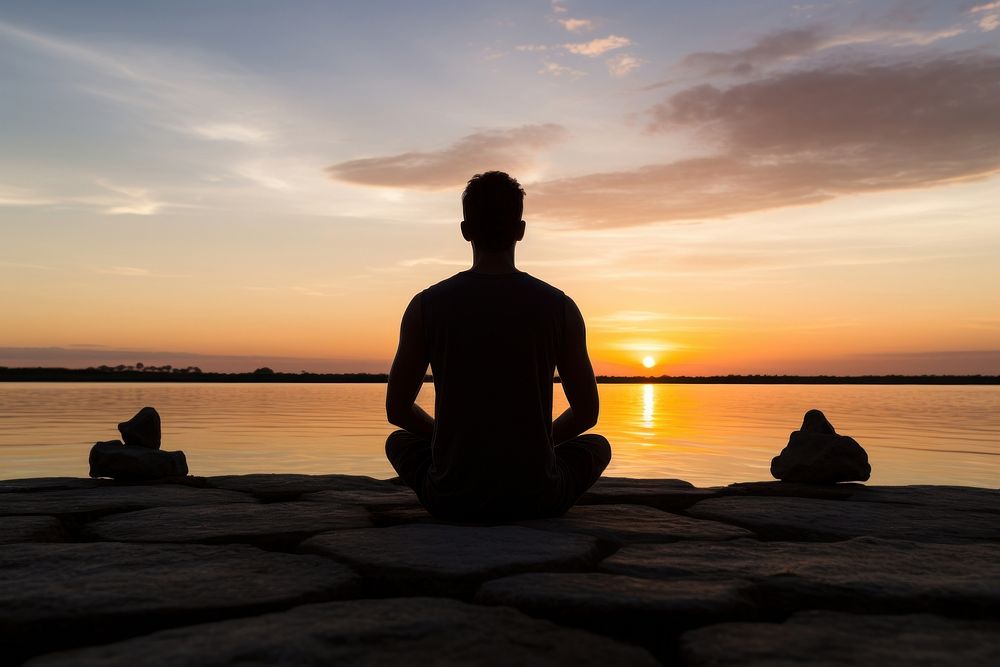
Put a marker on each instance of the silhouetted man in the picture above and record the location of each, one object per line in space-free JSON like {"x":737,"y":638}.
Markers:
{"x":493,"y":337}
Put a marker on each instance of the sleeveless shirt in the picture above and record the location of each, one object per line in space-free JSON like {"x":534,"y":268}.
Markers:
{"x":492,"y":341}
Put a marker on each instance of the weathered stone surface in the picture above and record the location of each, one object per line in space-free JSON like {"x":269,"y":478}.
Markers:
{"x":113,"y":499}
{"x":30,"y":484}
{"x":810,"y":519}
{"x":865,"y":574}
{"x":238,"y":522}
{"x":134,"y":462}
{"x":636,"y":523}
{"x":816,"y":454}
{"x":829,"y":638}
{"x":620,"y":604}
{"x":664,"y":494}
{"x":446,"y":558}
{"x":291,"y":486}
{"x":410,"y":631}
{"x":143,"y":430}
{"x":15,"y":529}
{"x":66,"y":594}
{"x":395,"y":496}
{"x":960,"y":498}
{"x":841,"y":491}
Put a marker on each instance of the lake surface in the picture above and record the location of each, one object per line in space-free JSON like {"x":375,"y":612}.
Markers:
{"x":706,"y":434}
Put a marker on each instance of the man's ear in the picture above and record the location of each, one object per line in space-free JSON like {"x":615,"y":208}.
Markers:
{"x":465,"y":231}
{"x":520,"y":230}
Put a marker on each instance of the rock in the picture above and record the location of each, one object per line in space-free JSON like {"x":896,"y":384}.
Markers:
{"x":959,"y":498}
{"x":382,"y":499}
{"x":239,"y":522}
{"x":622,"y":606}
{"x":447,"y":559}
{"x":290,"y":487}
{"x":46,"y":484}
{"x":815,"y":454}
{"x":60,"y":595}
{"x":143,"y":430}
{"x":636,"y":523}
{"x":107,"y":499}
{"x":15,"y":529}
{"x":826,"y":638}
{"x":410,"y":631}
{"x":841,"y":491}
{"x":135,"y":463}
{"x":809,"y":519}
{"x":664,"y":494}
{"x":864,"y":574}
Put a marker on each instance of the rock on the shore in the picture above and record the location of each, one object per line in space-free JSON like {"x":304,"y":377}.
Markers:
{"x":411,"y":631}
{"x":665,"y":494}
{"x":636,"y":523}
{"x":134,"y":462}
{"x":290,"y":486}
{"x":238,"y":522}
{"x":446,"y":558}
{"x":812,"y":519}
{"x":142,"y":430}
{"x":14,"y":529}
{"x":864,"y":574}
{"x":620,"y":604}
{"x":816,"y":454}
{"x":56,"y":595}
{"x":105,"y":499}
{"x":827,"y":638}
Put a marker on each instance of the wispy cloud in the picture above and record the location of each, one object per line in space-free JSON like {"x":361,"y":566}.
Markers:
{"x":237,"y":132}
{"x":802,"y":137}
{"x":514,"y":149}
{"x":987,"y":16}
{"x":623,"y":64}
{"x":599,"y":46}
{"x":555,"y":69}
{"x":577,"y":25}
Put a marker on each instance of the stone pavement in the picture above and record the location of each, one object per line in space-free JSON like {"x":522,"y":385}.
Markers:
{"x":301,"y":569}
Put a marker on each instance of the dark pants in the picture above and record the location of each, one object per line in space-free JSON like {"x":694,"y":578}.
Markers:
{"x":579,"y":463}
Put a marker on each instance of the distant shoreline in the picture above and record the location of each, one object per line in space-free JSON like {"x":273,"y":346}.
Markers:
{"x":266,"y":376}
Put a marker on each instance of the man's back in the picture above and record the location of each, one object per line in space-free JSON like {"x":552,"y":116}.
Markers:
{"x":493,"y":343}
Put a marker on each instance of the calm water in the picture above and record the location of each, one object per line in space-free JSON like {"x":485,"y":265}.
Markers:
{"x":706,"y":434}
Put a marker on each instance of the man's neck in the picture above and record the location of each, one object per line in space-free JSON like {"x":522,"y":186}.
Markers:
{"x":499,"y":261}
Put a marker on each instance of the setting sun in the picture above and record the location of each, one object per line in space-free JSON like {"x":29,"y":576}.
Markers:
{"x":648,"y":362}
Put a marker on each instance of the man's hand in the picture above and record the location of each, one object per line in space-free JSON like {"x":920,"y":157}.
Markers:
{"x":407,"y":375}
{"x":578,"y":381}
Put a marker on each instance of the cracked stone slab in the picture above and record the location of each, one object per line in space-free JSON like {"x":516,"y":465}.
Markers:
{"x":636,"y":523}
{"x":14,"y":529}
{"x":829,"y":638}
{"x":620,"y":604}
{"x":69,"y":594}
{"x":959,"y":498}
{"x":238,"y":522}
{"x":105,"y":499}
{"x":811,"y":519}
{"x":864,"y":574}
{"x":445,"y":558}
{"x":291,"y":486}
{"x":841,"y":491}
{"x":396,"y":496}
{"x":46,"y":484}
{"x":664,"y":494}
{"x":407,"y":631}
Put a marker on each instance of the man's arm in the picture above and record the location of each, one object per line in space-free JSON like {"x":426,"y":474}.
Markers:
{"x":578,"y":380}
{"x":407,"y":375}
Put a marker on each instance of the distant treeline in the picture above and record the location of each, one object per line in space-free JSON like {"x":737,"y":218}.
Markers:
{"x":140,"y":373}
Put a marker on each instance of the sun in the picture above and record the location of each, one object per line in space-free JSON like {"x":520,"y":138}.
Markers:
{"x":648,"y":362}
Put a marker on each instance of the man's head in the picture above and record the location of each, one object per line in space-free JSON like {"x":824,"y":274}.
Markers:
{"x":492,"y":204}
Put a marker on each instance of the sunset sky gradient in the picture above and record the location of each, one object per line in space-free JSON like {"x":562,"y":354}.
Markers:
{"x":727,"y":187}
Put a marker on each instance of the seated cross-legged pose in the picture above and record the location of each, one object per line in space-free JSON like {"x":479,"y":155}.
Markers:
{"x":494,"y":336}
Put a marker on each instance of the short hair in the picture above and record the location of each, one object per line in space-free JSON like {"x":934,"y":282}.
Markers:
{"x":493,"y":203}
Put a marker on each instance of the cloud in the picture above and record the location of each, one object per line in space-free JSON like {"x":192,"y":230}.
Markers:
{"x":512,"y":149}
{"x":555,"y":69}
{"x":236,"y":132}
{"x":799,"y":138}
{"x":990,"y":19}
{"x":794,"y":44}
{"x":577,"y":25}
{"x":623,"y":63}
{"x":596,"y":47}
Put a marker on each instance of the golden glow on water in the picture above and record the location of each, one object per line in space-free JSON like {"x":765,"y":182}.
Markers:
{"x":706,"y":434}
